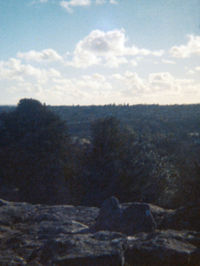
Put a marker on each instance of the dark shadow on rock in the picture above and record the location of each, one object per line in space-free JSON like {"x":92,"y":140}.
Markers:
{"x":135,"y":218}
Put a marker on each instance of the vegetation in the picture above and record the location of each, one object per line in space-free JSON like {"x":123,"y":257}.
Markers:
{"x":137,"y":153}
{"x":33,"y":142}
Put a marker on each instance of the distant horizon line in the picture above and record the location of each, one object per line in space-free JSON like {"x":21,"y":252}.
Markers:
{"x":109,"y":104}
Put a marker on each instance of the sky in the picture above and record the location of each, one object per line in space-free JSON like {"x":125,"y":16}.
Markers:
{"x":85,"y":52}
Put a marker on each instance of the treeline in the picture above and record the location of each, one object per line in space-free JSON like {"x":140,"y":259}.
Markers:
{"x":145,"y":119}
{"x":82,"y":155}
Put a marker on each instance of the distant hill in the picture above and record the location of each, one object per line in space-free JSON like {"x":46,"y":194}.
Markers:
{"x":181,"y":120}
{"x":145,"y":119}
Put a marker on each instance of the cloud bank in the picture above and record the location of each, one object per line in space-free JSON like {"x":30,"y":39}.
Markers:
{"x":47,"y":55}
{"x":51,"y":77}
{"x":188,"y":50}
{"x":107,"y":48}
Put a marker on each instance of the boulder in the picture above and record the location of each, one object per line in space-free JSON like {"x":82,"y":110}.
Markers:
{"x":161,"y":215}
{"x":109,"y":217}
{"x":136,"y":217}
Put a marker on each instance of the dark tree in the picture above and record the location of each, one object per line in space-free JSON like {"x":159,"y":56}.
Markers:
{"x":107,"y":139}
{"x":106,"y":161}
{"x":120,"y":164}
{"x":34,"y":146}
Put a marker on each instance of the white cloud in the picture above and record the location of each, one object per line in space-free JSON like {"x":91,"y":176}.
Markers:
{"x":161,"y":81}
{"x":194,"y":70}
{"x":191,"y":72}
{"x":108,"y":48}
{"x":186,"y":51}
{"x":47,"y":55}
{"x":166,"y":61}
{"x":102,"y":43}
{"x":13,"y":69}
{"x":68,"y":5}
{"x":93,"y":84}
{"x":161,"y":86}
{"x":115,"y":61}
{"x":197,"y":68}
{"x":50,"y":85}
{"x":10,"y":69}
{"x":131,"y":84}
{"x":86,"y":89}
{"x":86,"y":85}
{"x":134,"y":63}
{"x":166,"y":82}
{"x":54,"y":87}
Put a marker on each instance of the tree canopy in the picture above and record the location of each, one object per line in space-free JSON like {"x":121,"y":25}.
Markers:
{"x":33,"y":142}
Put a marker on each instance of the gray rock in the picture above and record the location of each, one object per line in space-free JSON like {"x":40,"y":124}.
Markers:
{"x":41,"y":235}
{"x":159,"y":214}
{"x":49,"y":228}
{"x":183,"y":218}
{"x":109,"y":216}
{"x":3,"y":202}
{"x":137,"y":218}
{"x":90,"y":260}
{"x":12,"y":260}
{"x":164,"y":248}
{"x":83,"y":250}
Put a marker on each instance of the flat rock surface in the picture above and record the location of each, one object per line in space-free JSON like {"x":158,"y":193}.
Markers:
{"x":65,"y":235}
{"x":163,"y":248}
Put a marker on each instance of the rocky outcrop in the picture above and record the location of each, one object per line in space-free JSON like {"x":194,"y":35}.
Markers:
{"x":187,"y":217}
{"x":134,"y":218}
{"x":104,"y":248}
{"x":163,"y":248}
{"x":68,"y":235}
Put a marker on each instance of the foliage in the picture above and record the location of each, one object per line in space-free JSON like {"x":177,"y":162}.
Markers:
{"x":119,"y":164}
{"x":168,"y":135}
{"x":33,"y":143}
{"x":137,"y":153}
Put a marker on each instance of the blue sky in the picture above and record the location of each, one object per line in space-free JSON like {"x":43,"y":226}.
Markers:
{"x":100,"y":51}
